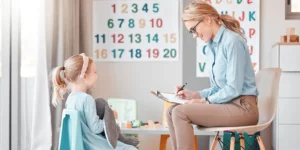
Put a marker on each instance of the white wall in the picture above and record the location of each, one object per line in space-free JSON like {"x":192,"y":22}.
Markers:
{"x":273,"y":25}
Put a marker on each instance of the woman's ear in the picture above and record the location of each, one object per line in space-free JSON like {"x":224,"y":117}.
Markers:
{"x":207,"y":20}
{"x":84,"y":76}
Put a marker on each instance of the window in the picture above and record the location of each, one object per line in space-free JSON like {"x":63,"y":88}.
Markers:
{"x":19,"y":43}
{"x":0,"y":70}
{"x":0,"y":41}
{"x":4,"y":74}
{"x":29,"y":43}
{"x":292,"y":9}
{"x":29,"y":37}
{"x":295,"y":6}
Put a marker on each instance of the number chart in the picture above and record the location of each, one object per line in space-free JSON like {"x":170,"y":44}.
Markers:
{"x":132,"y":30}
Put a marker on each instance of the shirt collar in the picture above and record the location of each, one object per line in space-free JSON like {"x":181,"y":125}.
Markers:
{"x":219,"y":34}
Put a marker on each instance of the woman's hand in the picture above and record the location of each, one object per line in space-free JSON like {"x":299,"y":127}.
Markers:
{"x":187,"y":94}
{"x":199,"y":101}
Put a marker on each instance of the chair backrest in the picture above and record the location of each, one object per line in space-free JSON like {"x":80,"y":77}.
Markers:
{"x":267,"y":81}
{"x":70,"y":132}
{"x":126,"y":108}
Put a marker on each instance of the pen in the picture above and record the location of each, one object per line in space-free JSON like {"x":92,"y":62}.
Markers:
{"x":182,"y":87}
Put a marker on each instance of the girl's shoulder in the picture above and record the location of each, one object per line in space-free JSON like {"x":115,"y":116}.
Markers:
{"x":80,"y":101}
{"x":80,"y":95}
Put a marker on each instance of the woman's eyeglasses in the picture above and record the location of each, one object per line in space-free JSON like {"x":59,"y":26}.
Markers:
{"x":193,"y":29}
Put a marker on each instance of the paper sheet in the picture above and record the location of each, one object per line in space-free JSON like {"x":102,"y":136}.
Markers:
{"x":173,"y":98}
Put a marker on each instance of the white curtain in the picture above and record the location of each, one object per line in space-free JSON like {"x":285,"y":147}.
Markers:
{"x":63,"y":29}
{"x":40,"y":132}
{"x":63,"y":41}
{"x":34,"y":118}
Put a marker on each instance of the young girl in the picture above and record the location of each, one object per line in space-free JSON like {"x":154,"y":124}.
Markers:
{"x":79,"y":74}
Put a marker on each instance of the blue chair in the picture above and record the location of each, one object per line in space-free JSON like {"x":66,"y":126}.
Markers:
{"x":70,"y":133}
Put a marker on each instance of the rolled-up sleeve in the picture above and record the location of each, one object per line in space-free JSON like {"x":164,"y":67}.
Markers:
{"x":209,"y":91}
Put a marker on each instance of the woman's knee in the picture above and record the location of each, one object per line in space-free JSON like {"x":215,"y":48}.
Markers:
{"x":179,"y":112}
{"x":169,"y":111}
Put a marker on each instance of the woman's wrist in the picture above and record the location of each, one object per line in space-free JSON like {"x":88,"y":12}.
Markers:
{"x":207,"y":100}
{"x":196,"y":95}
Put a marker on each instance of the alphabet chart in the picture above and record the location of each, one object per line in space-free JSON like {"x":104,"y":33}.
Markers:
{"x":247,"y":13}
{"x":135,"y":30}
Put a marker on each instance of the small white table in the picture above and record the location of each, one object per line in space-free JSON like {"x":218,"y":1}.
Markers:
{"x":165,"y":131}
{"x":161,"y":131}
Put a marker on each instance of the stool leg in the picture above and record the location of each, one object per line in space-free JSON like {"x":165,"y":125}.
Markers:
{"x":232,"y":142}
{"x":260,"y":143}
{"x":163,"y":142}
{"x":214,"y":144}
{"x":195,"y":143}
{"x":242,"y":142}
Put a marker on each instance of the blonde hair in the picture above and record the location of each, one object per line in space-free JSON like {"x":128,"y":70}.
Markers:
{"x":198,"y":9}
{"x":65,"y":74}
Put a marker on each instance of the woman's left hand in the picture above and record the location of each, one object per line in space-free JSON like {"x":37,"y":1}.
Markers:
{"x":199,"y":101}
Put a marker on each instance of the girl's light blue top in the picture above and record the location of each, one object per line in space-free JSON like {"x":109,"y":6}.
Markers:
{"x":91,"y":125}
{"x":231,"y":72}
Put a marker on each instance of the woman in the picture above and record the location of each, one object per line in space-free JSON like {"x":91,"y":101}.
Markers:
{"x":231,"y":99}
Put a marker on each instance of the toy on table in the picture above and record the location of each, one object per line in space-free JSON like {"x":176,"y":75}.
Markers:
{"x":140,"y":124}
{"x":128,"y":124}
{"x":151,"y":124}
{"x":290,"y":36}
{"x":155,"y":124}
{"x":136,"y":124}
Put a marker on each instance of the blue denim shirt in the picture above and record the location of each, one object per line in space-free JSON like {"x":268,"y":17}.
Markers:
{"x":230,"y":68}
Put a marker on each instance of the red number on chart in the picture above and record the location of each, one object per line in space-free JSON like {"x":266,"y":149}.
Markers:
{"x":114,"y":8}
{"x":120,"y":36}
{"x":154,"y":52}
{"x":157,"y":22}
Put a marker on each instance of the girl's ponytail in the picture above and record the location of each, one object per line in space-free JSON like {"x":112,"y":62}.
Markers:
{"x":59,"y":85}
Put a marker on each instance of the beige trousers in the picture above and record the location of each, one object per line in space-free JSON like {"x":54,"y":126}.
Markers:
{"x":241,"y":111}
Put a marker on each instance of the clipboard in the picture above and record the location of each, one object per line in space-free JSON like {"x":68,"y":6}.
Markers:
{"x":174,"y":100}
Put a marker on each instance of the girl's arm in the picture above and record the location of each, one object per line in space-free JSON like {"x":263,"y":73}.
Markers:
{"x":94,"y":123}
